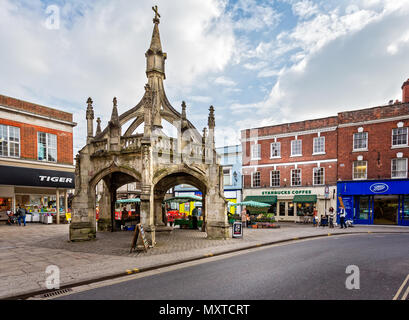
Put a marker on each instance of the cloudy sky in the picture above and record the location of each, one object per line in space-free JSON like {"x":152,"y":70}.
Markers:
{"x":259,"y":62}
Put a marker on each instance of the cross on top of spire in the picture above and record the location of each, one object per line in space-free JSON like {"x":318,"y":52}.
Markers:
{"x":157,"y":15}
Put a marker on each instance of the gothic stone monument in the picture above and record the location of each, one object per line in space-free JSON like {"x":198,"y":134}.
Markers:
{"x":152,"y":159}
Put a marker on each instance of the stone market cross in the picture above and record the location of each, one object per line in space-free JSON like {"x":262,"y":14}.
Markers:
{"x":154,"y":160}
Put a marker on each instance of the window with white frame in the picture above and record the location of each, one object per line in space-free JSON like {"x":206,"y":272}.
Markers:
{"x":275,"y":150}
{"x":319,"y":176}
{"x":319,"y":145}
{"x":295,"y":177}
{"x":47,"y":147}
{"x":400,"y":137}
{"x":255,"y":179}
{"x":360,"y":169}
{"x":275,"y":178}
{"x":9,"y":141}
{"x":256,"y":151}
{"x":361,"y":141}
{"x":399,"y":168}
{"x":296,"y":147}
{"x":227,"y":177}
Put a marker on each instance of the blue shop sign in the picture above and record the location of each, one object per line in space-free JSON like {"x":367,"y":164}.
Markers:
{"x":376,"y":187}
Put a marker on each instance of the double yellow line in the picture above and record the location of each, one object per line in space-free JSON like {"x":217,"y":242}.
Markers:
{"x":405,"y":294}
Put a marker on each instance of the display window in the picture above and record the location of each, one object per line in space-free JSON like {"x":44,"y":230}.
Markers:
{"x":305,"y":208}
{"x":405,"y":215}
{"x":6,"y":204}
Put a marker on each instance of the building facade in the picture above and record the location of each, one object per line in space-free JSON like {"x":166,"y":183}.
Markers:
{"x":292,"y":167}
{"x":36,"y":157}
{"x":373,"y":163}
{"x":357,"y":159}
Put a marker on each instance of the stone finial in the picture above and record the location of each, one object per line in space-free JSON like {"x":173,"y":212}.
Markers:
{"x":98,"y":126}
{"x":183,"y":110}
{"x":211,"y":121}
{"x":157,"y":15}
{"x":114,"y":117}
{"x":90,"y":110}
{"x":204,"y":132}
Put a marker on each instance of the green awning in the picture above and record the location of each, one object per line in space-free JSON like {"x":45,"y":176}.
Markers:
{"x":129,"y":200}
{"x":305,"y":198}
{"x":264,"y":199}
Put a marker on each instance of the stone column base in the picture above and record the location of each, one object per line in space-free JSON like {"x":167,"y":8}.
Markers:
{"x":82,"y":231}
{"x":217,"y":230}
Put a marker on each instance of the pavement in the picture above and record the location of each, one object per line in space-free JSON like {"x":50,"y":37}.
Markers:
{"x":26,"y":252}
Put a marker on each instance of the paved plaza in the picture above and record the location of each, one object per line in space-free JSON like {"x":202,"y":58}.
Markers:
{"x":26,"y":252}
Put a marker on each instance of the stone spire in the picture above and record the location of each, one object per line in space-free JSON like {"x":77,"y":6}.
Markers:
{"x":154,"y":56}
{"x":90,"y":120}
{"x":114,"y":117}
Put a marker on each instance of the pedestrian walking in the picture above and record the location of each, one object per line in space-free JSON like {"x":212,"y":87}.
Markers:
{"x":21,"y":215}
{"x":342,"y":216}
{"x":194,"y":218}
{"x":331,"y":217}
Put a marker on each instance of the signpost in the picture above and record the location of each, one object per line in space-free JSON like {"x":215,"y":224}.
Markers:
{"x":237,"y":230}
{"x":139,"y":231}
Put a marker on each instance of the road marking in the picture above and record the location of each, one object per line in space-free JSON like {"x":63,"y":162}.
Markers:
{"x":401,"y":288}
{"x":406,"y":294}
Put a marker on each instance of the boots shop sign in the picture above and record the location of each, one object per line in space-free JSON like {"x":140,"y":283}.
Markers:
{"x":36,"y":177}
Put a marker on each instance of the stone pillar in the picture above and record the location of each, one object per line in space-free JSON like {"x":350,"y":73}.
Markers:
{"x":217,"y":226}
{"x":158,"y":212}
{"x":58,"y":206}
{"x":104,"y":204}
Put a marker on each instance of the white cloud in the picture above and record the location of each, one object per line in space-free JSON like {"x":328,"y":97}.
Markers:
{"x":100,"y":52}
{"x":224,"y":81}
{"x":344,"y":62}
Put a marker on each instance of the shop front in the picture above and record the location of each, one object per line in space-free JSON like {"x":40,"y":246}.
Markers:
{"x":293,"y":204}
{"x":43,"y":193}
{"x":383,"y":202}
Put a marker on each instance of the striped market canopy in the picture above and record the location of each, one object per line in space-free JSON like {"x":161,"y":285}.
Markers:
{"x":129,"y":200}
{"x":253,"y":204}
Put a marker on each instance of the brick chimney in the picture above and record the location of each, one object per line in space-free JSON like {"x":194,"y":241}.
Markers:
{"x":405,"y":92}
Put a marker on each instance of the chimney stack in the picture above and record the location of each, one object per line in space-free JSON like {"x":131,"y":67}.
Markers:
{"x":405,"y":92}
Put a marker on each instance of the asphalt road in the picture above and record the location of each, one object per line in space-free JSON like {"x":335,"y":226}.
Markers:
{"x":313,"y":269}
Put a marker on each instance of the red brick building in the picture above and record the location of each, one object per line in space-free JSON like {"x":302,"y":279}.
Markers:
{"x":298,"y":166}
{"x":36,"y":156}
{"x":291,"y":166}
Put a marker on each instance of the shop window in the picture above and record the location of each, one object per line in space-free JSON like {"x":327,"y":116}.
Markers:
{"x":399,"y":168}
{"x":47,"y":147}
{"x":276,"y":150}
{"x":319,"y":145}
{"x":405,"y":215}
{"x":305,"y":209}
{"x":256,"y":152}
{"x":400,"y":137}
{"x":361,"y":141}
{"x":9,"y":141}
{"x":318,"y":176}
{"x":291,"y":209}
{"x":275,"y":178}
{"x":363,"y":208}
{"x":5,"y":204}
{"x":296,"y":148}
{"x":255,"y":179}
{"x":296,"y":177}
{"x":360,"y":170}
